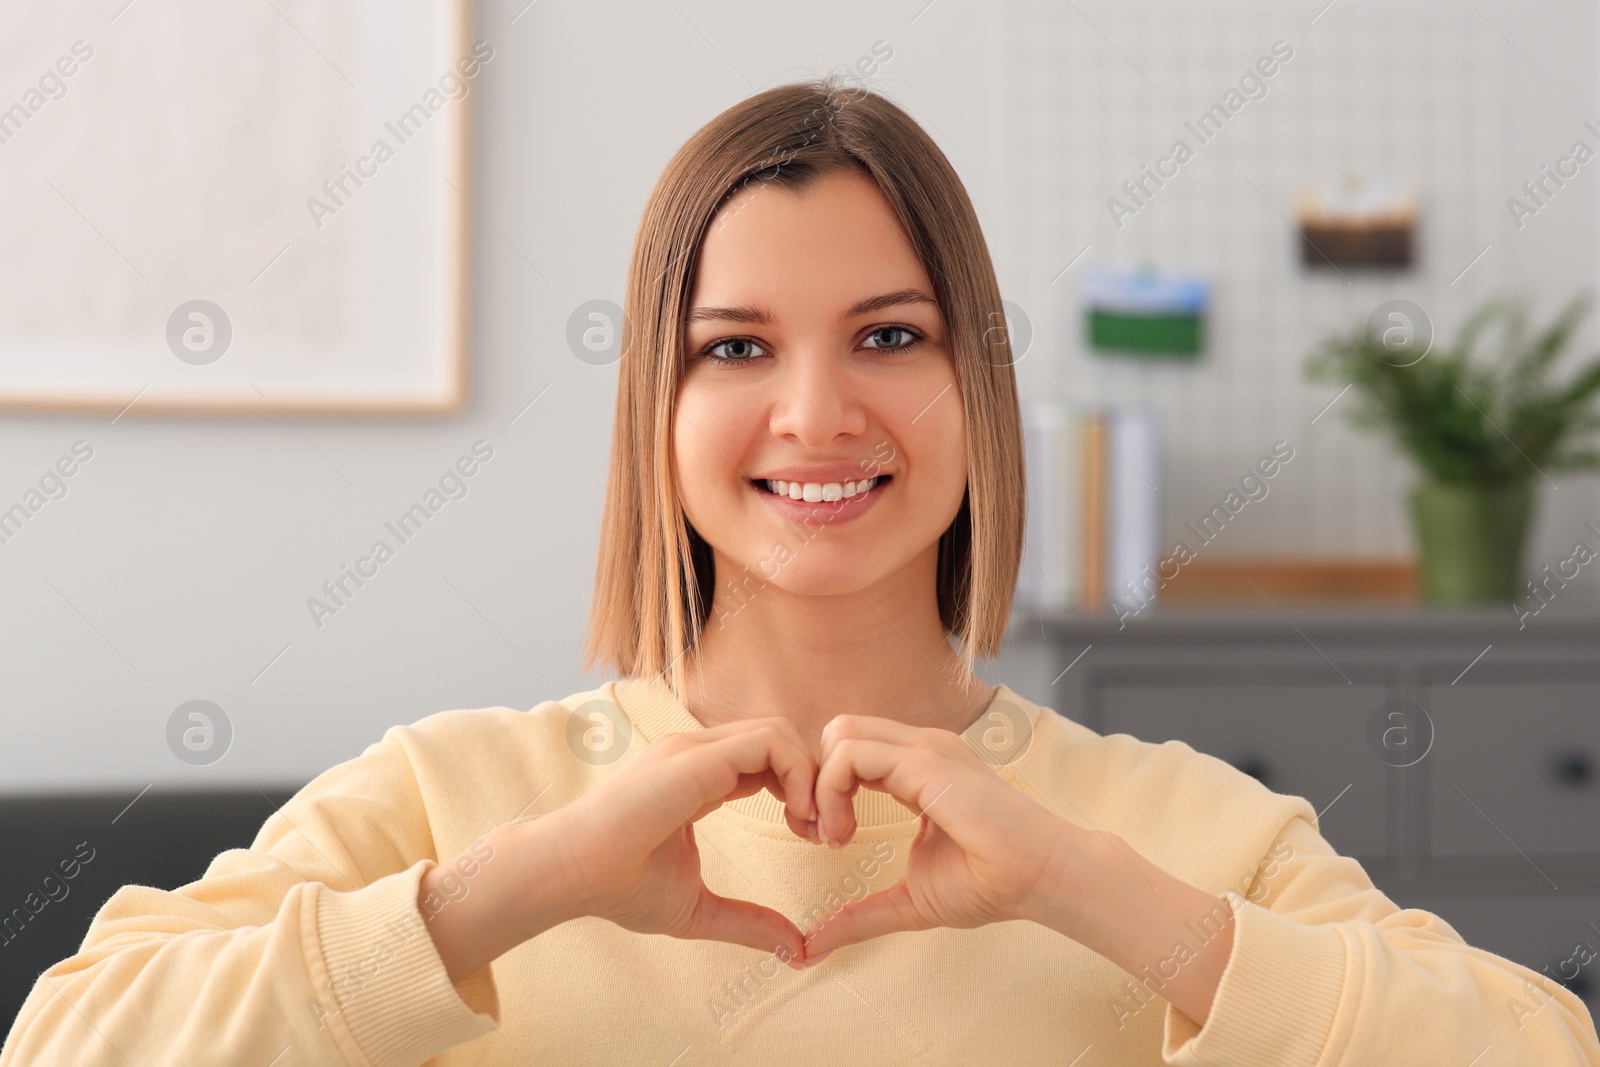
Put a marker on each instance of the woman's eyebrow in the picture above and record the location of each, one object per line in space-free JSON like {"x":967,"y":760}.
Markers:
{"x":743,"y":313}
{"x":899,"y":296}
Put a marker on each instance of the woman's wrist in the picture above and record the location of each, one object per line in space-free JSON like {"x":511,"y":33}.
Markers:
{"x":1109,"y":898}
{"x":506,"y":888}
{"x":1074,"y":874}
{"x":540,"y":892}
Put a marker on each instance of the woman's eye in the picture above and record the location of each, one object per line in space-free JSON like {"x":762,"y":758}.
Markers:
{"x":734,"y":350}
{"x":887,"y":334}
{"x":738,"y":350}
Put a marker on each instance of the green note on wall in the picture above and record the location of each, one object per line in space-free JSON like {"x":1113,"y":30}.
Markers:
{"x":1145,"y":312}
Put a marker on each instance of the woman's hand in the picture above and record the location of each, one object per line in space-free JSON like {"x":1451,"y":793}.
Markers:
{"x":628,"y":847}
{"x":984,"y":853}
{"x":625,"y":851}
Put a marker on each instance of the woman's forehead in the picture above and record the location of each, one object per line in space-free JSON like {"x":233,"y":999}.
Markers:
{"x":829,"y":248}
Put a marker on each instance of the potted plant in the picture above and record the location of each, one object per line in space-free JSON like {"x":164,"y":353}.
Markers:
{"x":1481,"y":431}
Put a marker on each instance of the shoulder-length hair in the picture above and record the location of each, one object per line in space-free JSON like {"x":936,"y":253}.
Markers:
{"x":653,"y":581}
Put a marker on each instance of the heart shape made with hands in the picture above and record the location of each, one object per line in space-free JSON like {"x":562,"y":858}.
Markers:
{"x":983,"y":851}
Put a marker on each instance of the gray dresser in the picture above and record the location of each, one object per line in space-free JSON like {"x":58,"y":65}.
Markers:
{"x":1492,"y":822}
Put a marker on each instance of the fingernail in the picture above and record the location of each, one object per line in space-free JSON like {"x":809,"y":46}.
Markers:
{"x":835,"y":843}
{"x":812,"y":960}
{"x":811,"y":830}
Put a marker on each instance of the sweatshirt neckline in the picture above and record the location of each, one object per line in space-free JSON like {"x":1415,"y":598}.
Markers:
{"x":654,"y":710}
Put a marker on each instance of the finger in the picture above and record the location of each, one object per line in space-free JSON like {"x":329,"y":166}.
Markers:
{"x":868,"y":728}
{"x":913,"y":776}
{"x":741,"y":922}
{"x":698,"y":776}
{"x":768,"y":780}
{"x":874,"y":915}
{"x":750,"y":784}
{"x":802,"y":828}
{"x":777,"y":749}
{"x":789,"y":761}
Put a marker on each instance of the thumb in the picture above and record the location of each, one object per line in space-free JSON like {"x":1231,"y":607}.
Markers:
{"x":886,"y":912}
{"x":741,"y":922}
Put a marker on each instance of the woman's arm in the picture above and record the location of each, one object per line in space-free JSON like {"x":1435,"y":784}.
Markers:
{"x":309,"y":940}
{"x":625,"y":852}
{"x":340,"y":936}
{"x":1174,"y":938}
{"x":1324,"y":968}
{"x":500,"y":892}
{"x":1312,"y":966}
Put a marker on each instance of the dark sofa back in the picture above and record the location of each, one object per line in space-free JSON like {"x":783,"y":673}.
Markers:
{"x":67,"y":854}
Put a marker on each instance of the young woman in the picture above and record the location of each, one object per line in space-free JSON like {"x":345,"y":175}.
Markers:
{"x":797,"y":829}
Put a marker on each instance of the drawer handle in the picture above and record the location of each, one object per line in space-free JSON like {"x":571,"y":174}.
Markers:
{"x":1575,"y":769}
{"x":1579,"y":984}
{"x":1256,"y":767}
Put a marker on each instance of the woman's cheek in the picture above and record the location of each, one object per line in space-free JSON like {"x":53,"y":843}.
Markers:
{"x":690,"y":476}
{"x":941,"y":449}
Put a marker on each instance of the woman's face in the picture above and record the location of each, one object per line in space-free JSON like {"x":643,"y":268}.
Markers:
{"x":816,"y":360}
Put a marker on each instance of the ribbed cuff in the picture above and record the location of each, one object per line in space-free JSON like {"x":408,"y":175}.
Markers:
{"x":389,"y":987}
{"x":1276,"y":1002}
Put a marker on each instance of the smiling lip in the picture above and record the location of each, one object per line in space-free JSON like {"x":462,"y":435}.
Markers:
{"x":822,"y":473}
{"x":823,"y":512}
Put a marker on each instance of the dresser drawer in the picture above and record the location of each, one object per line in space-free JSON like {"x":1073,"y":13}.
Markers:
{"x":1515,"y":766}
{"x":1554,"y":934}
{"x":1307,"y":740}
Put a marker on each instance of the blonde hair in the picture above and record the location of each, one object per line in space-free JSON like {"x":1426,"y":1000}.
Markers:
{"x":654,"y":578}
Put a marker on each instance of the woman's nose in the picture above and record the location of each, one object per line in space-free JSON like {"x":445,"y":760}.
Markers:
{"x":817,"y":401}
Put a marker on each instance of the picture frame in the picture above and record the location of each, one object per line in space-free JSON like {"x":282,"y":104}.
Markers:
{"x":240,"y":210}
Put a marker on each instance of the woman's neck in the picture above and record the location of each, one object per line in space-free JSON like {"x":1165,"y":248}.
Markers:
{"x":879,"y":650}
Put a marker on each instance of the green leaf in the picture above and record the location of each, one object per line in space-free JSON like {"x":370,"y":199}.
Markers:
{"x":1480,"y":410}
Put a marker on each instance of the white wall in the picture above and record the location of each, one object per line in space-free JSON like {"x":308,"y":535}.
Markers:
{"x":179,"y":565}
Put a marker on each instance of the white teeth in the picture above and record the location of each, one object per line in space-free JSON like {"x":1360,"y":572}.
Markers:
{"x":813,"y":492}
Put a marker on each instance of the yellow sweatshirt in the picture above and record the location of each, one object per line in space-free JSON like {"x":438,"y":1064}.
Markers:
{"x":310,"y":947}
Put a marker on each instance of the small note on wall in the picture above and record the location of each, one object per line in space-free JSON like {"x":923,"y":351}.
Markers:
{"x":1359,"y":223}
{"x":1145,"y":312}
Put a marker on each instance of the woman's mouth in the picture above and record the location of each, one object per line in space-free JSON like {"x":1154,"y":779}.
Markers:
{"x":819,"y":492}
{"x":821,"y":503}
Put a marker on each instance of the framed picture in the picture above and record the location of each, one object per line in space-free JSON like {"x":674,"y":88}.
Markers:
{"x":236,"y":209}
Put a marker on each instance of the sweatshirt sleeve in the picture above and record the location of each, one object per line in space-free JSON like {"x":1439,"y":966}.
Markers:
{"x":311,"y":940}
{"x":1325,"y":969}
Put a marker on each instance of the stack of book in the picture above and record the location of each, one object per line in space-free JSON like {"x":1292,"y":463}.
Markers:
{"x":1095,"y":495}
